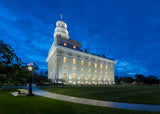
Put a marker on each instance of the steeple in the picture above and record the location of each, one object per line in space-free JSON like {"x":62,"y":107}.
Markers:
{"x":61,"y":17}
{"x":61,"y":29}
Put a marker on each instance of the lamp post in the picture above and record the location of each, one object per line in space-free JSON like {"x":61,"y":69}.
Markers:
{"x":30,"y":68}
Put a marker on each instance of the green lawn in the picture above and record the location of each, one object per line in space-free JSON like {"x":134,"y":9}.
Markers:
{"x":133,"y":94}
{"x":40,"y":105}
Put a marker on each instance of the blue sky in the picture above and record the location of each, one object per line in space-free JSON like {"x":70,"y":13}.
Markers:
{"x":125,"y":30}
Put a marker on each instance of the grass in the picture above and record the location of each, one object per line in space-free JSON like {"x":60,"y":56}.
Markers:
{"x":40,"y":105}
{"x":132,"y":94}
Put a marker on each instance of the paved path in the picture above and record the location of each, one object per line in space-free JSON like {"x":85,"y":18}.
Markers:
{"x":130,"y":106}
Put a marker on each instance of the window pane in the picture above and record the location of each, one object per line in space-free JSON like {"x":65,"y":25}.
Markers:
{"x":82,"y":63}
{"x":106,"y":67}
{"x":95,"y":77}
{"x":89,"y":64}
{"x":101,"y":66}
{"x":64,"y":59}
{"x":74,"y":75}
{"x":65,"y":44}
{"x":89,"y":77}
{"x":101,"y":77}
{"x":95,"y":65}
{"x":81,"y":76}
{"x":74,"y":47}
{"x":65,"y":75}
{"x":74,"y":61}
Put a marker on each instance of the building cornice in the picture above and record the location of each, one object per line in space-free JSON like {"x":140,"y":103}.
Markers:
{"x":77,"y":52}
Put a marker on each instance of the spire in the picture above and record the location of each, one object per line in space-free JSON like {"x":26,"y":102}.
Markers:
{"x":61,"y":16}
{"x":61,"y":29}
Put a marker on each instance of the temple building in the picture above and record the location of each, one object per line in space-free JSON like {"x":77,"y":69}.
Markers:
{"x":67,"y":63}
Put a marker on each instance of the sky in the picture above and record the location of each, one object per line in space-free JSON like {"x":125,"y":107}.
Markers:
{"x":126,"y":30}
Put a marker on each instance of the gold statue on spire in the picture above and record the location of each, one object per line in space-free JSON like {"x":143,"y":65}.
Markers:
{"x":61,"y":16}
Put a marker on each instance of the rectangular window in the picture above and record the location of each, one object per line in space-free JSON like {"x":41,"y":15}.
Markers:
{"x":65,"y":76}
{"x":106,"y":78}
{"x":74,"y":75}
{"x":95,"y":77}
{"x":74,"y":68}
{"x":64,"y":59}
{"x":101,"y":77}
{"x":106,"y":67}
{"x":89,"y":64}
{"x":89,"y":77}
{"x":65,"y":44}
{"x":82,"y":63}
{"x":74,"y":47}
{"x":65,"y":67}
{"x":81,"y":69}
{"x":101,"y":66}
{"x":89,"y":70}
{"x":95,"y":65}
{"x":81,"y":76}
{"x":74,"y":61}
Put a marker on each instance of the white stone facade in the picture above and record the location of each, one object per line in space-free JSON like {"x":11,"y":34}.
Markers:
{"x":68,"y":63}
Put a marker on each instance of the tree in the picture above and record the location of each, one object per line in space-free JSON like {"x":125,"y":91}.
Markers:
{"x":7,"y":60}
{"x":140,"y":78}
{"x":10,"y":64}
{"x":128,"y":79}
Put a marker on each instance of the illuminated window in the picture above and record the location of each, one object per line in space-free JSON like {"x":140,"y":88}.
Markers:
{"x":106,"y":67}
{"x":82,"y":63}
{"x":89,"y":70}
{"x":81,"y":69}
{"x":89,"y":77}
{"x":95,"y":83}
{"x":89,"y":82}
{"x":74,"y":61}
{"x":95,"y":65}
{"x":95,"y":77}
{"x":101,"y":66}
{"x":74,"y":83}
{"x":106,"y":72}
{"x":74,"y":47}
{"x":64,"y":59}
{"x":65,"y":67}
{"x":95,"y":71}
{"x":74,"y":68}
{"x":89,"y":64}
{"x":101,"y":77}
{"x":74,"y":75}
{"x":65,"y":75}
{"x":65,"y":44}
{"x":81,"y":76}
{"x":106,"y":78}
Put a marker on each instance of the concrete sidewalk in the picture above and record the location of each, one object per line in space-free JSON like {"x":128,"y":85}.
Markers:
{"x":129,"y":106}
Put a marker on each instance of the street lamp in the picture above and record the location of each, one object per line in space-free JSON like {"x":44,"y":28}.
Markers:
{"x":30,"y":68}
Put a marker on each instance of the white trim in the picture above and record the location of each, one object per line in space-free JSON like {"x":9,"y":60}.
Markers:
{"x":52,"y":50}
{"x":85,"y":54}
